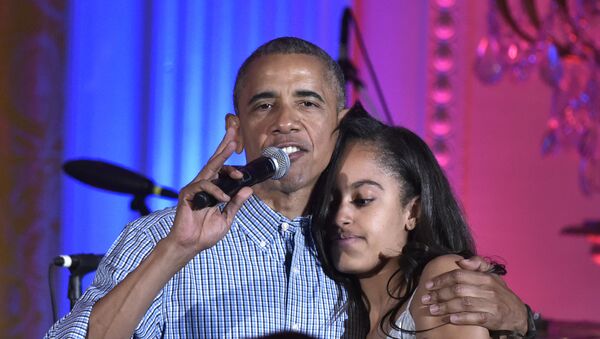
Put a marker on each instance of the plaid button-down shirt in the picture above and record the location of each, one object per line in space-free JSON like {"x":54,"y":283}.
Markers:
{"x":242,"y":287}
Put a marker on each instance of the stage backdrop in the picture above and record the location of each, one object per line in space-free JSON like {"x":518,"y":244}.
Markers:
{"x":146,"y":84}
{"x":32,"y":68}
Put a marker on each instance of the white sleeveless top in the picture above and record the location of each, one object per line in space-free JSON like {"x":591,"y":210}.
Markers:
{"x":406,"y":322}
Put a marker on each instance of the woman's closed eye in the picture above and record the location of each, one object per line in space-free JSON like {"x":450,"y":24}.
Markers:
{"x":360,"y":202}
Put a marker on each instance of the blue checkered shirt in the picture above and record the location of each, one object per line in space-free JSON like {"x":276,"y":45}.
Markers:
{"x":247,"y":285}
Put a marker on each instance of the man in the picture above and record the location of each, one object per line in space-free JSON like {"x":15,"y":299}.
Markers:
{"x":245,"y":268}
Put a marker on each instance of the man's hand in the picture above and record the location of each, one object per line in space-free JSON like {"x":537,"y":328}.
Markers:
{"x":196,"y":230}
{"x":472,"y":296}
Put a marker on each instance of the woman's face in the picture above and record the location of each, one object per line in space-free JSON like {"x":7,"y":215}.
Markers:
{"x":369,"y":223}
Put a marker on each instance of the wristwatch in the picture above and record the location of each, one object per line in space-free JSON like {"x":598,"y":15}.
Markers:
{"x":531,"y":330}
{"x":531,"y":317}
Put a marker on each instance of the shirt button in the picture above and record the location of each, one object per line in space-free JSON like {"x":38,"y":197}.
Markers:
{"x":295,"y":270}
{"x":296,"y":327}
{"x":285,"y":226}
{"x":263,"y":244}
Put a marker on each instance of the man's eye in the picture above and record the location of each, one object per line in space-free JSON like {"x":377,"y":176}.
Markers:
{"x":309,"y":104}
{"x":264,"y":106}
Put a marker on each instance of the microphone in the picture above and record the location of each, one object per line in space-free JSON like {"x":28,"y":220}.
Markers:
{"x":78,"y":264}
{"x":273,"y":164}
{"x":114,"y":178}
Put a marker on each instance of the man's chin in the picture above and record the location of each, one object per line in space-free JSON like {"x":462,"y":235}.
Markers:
{"x":291,"y":183}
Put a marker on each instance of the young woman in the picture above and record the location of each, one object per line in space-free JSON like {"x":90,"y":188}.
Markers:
{"x":385,"y":221}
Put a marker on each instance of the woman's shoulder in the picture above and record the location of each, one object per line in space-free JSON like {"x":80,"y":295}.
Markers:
{"x":421,"y":314}
{"x":438,"y":265}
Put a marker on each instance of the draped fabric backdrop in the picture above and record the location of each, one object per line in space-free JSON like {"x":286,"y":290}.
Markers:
{"x":32,"y":65}
{"x":146,"y":85}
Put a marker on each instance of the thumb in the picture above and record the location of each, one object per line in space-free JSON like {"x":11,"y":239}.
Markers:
{"x":475,"y":263}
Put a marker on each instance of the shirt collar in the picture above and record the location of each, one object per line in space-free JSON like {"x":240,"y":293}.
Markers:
{"x":262,"y":224}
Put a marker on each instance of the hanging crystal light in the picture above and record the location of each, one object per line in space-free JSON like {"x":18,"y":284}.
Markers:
{"x":562,"y":39}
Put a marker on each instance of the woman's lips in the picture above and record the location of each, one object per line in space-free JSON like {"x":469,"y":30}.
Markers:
{"x":347,"y":240}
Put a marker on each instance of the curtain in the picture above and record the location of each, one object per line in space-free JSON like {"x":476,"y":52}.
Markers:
{"x":32,"y":68}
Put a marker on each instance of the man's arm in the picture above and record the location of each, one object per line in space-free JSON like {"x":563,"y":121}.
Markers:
{"x":472,"y":296}
{"x":117,"y":314}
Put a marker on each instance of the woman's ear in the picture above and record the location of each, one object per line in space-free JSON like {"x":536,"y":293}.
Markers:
{"x":414,"y":207}
{"x":233,"y":121}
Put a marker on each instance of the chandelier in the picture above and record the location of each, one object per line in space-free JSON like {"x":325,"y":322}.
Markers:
{"x":560,"y":41}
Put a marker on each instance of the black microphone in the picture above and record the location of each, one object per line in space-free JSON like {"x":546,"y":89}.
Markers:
{"x":78,"y":264}
{"x":114,"y":178}
{"x":273,"y":164}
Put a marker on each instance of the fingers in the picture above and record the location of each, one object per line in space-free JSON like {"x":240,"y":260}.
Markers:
{"x":227,"y":138}
{"x":459,"y":276}
{"x":457,"y":291}
{"x":465,"y":318}
{"x":215,"y":163}
{"x":232,"y":172}
{"x":475,"y":263}
{"x":187,"y":193}
{"x":234,"y":205}
{"x":463,"y":304}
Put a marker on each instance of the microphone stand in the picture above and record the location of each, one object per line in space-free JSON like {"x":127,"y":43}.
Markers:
{"x":74,"y":289}
{"x":350,"y":71}
{"x":138,"y":203}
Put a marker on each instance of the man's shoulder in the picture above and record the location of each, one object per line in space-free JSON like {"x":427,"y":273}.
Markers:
{"x":157,"y":223}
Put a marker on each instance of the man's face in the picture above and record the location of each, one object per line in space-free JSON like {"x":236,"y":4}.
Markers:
{"x":286,"y":101}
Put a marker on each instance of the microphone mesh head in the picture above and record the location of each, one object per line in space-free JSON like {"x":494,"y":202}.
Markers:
{"x":280,"y":159}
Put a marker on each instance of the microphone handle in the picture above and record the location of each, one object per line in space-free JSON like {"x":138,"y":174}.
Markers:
{"x":253,"y":172}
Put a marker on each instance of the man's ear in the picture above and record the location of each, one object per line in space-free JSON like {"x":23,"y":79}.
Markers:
{"x":342,"y":114}
{"x":233,"y":121}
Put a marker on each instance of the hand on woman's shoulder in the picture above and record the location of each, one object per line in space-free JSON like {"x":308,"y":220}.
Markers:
{"x":439,"y":324}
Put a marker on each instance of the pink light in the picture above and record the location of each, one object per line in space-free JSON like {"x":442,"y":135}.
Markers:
{"x":596,"y":258}
{"x":446,"y":3}
{"x":443,"y":63}
{"x":512,"y":52}
{"x":441,"y":152}
{"x":593,"y":238}
{"x":441,"y":95}
{"x":444,"y":28}
{"x":444,"y":32}
{"x":482,"y":46}
{"x":440,"y":128}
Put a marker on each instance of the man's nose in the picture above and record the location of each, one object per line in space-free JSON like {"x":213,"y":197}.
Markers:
{"x":287,"y":120}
